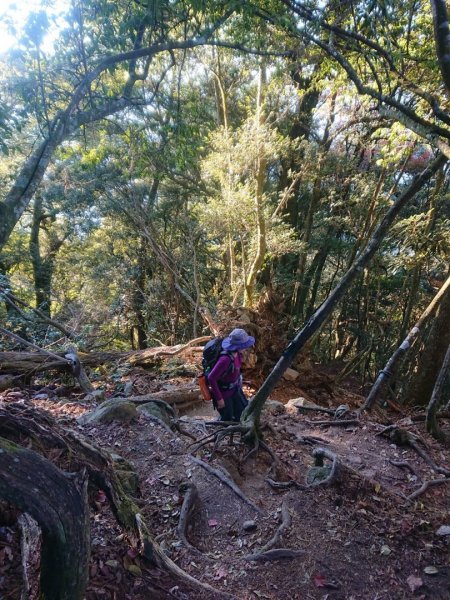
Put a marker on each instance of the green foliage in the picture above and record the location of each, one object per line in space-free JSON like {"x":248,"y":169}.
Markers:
{"x":164,"y":194}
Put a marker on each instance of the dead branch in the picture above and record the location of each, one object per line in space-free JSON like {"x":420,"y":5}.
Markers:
{"x":13,"y":301}
{"x":226,"y":479}
{"x":142,"y":356}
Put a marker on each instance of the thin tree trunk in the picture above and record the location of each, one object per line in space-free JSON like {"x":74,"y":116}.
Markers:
{"x":392,"y":363}
{"x":431,"y":420}
{"x":259,"y":200}
{"x":421,"y":386}
{"x":253,"y":411}
{"x":42,"y":267}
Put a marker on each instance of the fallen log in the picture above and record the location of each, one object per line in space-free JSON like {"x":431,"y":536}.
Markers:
{"x":35,"y":362}
{"x":183,"y":397}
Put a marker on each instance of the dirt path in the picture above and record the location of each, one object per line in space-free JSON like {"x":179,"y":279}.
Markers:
{"x":356,"y":539}
{"x":341,"y":530}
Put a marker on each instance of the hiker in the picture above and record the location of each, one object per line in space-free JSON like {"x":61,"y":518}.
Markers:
{"x":225,"y":378}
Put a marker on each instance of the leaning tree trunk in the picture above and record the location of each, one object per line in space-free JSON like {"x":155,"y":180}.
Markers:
{"x":422,"y":384}
{"x":389,"y":369}
{"x":431,"y":418}
{"x":251,"y":415}
{"x":58,"y":502}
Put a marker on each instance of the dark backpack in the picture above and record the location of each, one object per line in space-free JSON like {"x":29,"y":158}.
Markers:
{"x":211,"y":354}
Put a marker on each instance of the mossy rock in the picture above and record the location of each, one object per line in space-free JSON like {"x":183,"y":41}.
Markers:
{"x":116,"y":409}
{"x":156,"y":410}
{"x":316,"y":474}
{"x":129,"y":481}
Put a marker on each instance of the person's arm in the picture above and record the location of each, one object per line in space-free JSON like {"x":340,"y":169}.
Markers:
{"x":219,"y":370}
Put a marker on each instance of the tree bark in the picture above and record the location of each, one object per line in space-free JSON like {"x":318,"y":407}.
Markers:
{"x":442,"y":38}
{"x":392,"y":363}
{"x":422,"y":384}
{"x":260,"y":178}
{"x":59,"y":504}
{"x":431,"y":416}
{"x":253,"y":412}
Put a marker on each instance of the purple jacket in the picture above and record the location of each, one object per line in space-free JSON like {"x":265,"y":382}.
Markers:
{"x":219,"y":374}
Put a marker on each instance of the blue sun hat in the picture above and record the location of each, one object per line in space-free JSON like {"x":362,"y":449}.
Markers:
{"x":237,"y":340}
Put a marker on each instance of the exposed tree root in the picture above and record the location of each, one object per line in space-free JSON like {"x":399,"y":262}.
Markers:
{"x":160,"y":422}
{"x":58,"y":503}
{"x":181,"y":431}
{"x":284,"y":485}
{"x":423,"y":488}
{"x":403,"y":464}
{"x":275,"y":554}
{"x":315,"y":408}
{"x":30,"y":542}
{"x":46,"y":433}
{"x":217,"y":436}
{"x":190,"y":504}
{"x":319,"y":454}
{"x":310,"y":440}
{"x":76,"y":452}
{"x":285,"y":524}
{"x":260,"y":444}
{"x":341,"y":423}
{"x":154,"y":553}
{"x":226,"y":479}
{"x":402,"y":437}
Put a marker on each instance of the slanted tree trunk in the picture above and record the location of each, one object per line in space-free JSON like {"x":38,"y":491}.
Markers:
{"x":422,"y":383}
{"x":431,"y":418}
{"x":391,"y":365}
{"x":58,"y":503}
{"x":251,"y":415}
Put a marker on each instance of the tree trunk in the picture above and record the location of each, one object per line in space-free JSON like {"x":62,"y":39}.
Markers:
{"x":259,"y":200}
{"x":252,"y":413}
{"x":59,"y":505}
{"x":433,"y":406}
{"x":138,"y":300}
{"x":392,"y":363}
{"x":422,"y":383}
{"x":42,"y":267}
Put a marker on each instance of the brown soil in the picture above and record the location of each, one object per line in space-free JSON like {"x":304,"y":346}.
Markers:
{"x":360,"y":538}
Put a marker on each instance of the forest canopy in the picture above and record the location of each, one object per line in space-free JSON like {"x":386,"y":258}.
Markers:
{"x":161,"y":159}
{"x":173,"y":171}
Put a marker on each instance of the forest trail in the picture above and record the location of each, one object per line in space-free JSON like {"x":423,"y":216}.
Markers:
{"x":356,"y":538}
